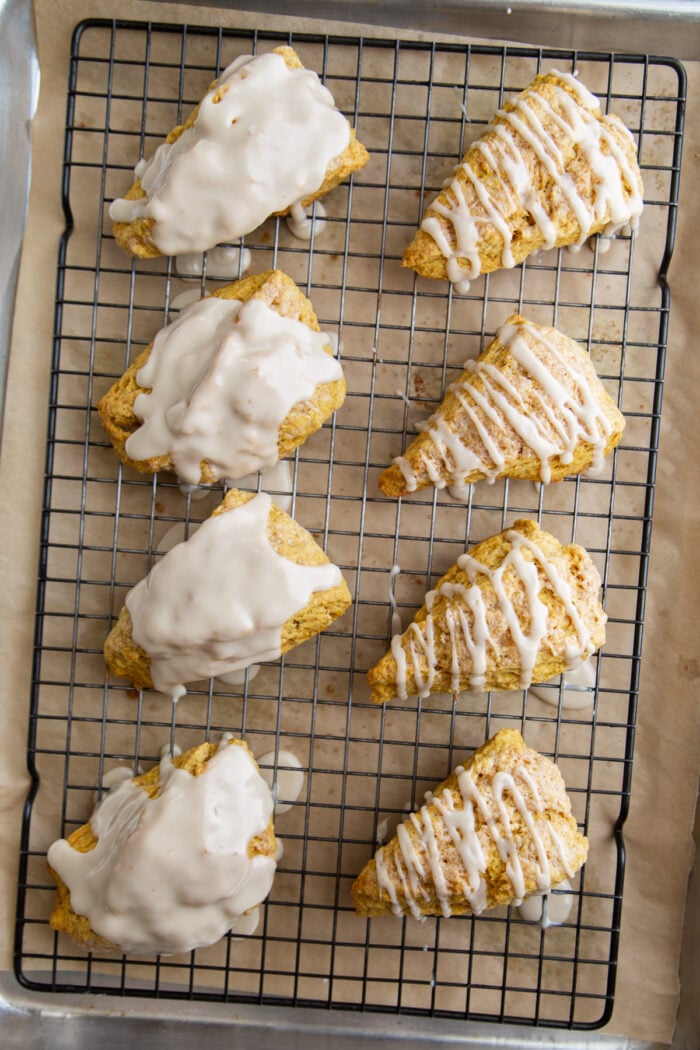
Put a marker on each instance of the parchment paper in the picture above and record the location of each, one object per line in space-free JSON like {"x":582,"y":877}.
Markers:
{"x":658,"y":833}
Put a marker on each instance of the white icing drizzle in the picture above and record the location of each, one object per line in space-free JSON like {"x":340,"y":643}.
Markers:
{"x":263,"y":139}
{"x":462,"y":287}
{"x":217,"y":602}
{"x":303,"y":226}
{"x":167,"y":751}
{"x":225,"y":263}
{"x":195,"y":493}
{"x":222,"y":378}
{"x":382,"y":829}
{"x":287,"y":783}
{"x":173,"y":873}
{"x":408,"y":473}
{"x":418,"y":855}
{"x":384,"y":882}
{"x":566,"y":413}
{"x":616,"y":201}
{"x":466,"y":617}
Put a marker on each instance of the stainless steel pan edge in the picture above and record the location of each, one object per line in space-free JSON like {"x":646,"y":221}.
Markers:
{"x":648,"y":26}
{"x":19,"y":92}
{"x":29,"y":1021}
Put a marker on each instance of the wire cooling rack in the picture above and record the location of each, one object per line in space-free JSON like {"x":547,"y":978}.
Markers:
{"x":402,"y":339}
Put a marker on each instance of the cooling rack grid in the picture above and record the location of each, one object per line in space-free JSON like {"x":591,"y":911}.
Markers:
{"x":402,"y":340}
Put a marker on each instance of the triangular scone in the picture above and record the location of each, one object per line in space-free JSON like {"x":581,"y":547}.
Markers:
{"x":550,"y":170}
{"x":496,"y":831}
{"x":249,"y":598}
{"x":65,"y":919}
{"x":238,"y":207}
{"x":517,"y":609}
{"x":531,"y":406}
{"x":280,"y":293}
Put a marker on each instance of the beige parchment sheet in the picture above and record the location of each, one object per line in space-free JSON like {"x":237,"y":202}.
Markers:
{"x":658,"y":833}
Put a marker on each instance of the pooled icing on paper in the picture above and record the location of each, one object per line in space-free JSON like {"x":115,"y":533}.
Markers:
{"x":303,"y":226}
{"x":566,"y":414}
{"x":225,"y":264}
{"x":263,"y":139}
{"x":217,"y":603}
{"x":284,"y":776}
{"x":173,"y":873}
{"x":616,"y":202}
{"x":220,"y":381}
{"x":548,"y":909}
{"x":467,"y":620}
{"x":578,"y":692}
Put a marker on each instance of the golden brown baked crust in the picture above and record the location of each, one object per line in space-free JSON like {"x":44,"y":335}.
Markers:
{"x":135,"y":237}
{"x":520,"y":461}
{"x":504,"y":753}
{"x":280,"y":293}
{"x":65,"y":920}
{"x":503,"y":668}
{"x":423,"y":254}
{"x":289,"y":539}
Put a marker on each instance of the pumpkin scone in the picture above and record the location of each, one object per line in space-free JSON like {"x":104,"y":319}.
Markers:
{"x":265,"y":138}
{"x":498,"y":830}
{"x":170,"y":859}
{"x":531,"y":407}
{"x":517,"y":609}
{"x":550,"y":170}
{"x":247,"y":586}
{"x":238,"y":381}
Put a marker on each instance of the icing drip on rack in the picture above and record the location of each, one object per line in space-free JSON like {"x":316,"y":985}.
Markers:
{"x":466,"y":617}
{"x":417,"y":861}
{"x":549,"y":130}
{"x":563,"y":413}
{"x":548,"y":909}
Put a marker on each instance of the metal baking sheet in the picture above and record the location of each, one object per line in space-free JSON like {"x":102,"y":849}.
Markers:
{"x":402,"y":340}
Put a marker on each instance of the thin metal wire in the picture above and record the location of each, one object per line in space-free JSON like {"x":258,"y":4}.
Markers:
{"x":403,"y":339}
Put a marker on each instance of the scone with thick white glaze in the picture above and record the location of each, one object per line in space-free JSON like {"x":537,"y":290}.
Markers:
{"x":498,"y":830}
{"x":266,"y":136}
{"x":247,"y":586}
{"x":530,"y":407}
{"x":550,"y":170}
{"x":169,"y":860}
{"x":518,"y":608}
{"x":235,"y":383}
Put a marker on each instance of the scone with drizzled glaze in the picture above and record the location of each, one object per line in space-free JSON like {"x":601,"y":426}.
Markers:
{"x":518,"y":608}
{"x":170,"y":859}
{"x":550,"y":170}
{"x":498,"y":830}
{"x":266,"y":136}
{"x":530,"y":407}
{"x":234,"y":384}
{"x":247,"y":586}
